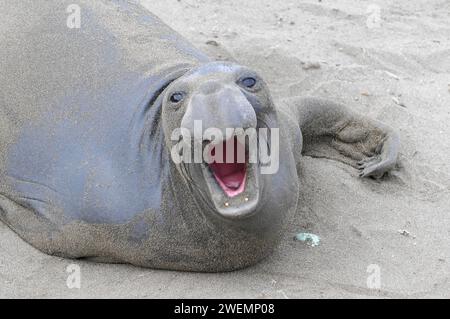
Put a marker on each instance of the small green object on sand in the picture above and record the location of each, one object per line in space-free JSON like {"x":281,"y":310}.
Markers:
{"x":312,"y":239}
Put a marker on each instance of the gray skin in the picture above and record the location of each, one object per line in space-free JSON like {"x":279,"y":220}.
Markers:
{"x":86,"y":117}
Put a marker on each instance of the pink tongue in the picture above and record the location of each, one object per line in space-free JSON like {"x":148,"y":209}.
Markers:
{"x":230,"y":176}
{"x":234,"y":180}
{"x":233,"y":184}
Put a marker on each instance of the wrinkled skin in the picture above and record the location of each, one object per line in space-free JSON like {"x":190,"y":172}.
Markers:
{"x":85,"y":141}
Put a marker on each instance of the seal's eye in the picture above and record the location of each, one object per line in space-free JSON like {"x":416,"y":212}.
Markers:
{"x":177,"y":97}
{"x":248,"y":82}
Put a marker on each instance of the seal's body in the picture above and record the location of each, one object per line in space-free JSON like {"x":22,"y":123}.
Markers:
{"x":85,"y":120}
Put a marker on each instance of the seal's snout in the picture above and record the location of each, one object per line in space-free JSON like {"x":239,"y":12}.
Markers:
{"x":219,"y":107}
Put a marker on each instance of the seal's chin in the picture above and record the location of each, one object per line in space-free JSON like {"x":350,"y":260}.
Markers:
{"x":233,"y":183}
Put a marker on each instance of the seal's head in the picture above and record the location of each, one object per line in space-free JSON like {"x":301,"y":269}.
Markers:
{"x":218,"y":121}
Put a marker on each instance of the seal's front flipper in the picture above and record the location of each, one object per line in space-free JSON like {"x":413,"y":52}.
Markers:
{"x":332,"y":131}
{"x":384,"y":159}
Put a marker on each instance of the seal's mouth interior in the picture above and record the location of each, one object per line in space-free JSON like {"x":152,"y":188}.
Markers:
{"x":230,"y":171}
{"x":232,"y":178}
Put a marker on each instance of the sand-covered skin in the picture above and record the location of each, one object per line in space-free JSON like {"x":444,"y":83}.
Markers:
{"x":398,"y":72}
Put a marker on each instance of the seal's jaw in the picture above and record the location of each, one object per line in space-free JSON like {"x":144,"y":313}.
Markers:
{"x":233,"y":183}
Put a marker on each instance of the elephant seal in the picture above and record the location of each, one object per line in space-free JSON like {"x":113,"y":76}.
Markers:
{"x":86,"y":123}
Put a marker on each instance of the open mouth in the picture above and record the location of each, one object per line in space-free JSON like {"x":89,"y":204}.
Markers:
{"x":232,"y":180}
{"x":230,"y":169}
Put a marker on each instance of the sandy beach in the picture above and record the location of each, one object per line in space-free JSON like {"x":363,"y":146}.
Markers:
{"x":387,"y":59}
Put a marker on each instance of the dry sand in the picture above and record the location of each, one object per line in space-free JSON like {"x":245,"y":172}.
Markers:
{"x":397,"y":71}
